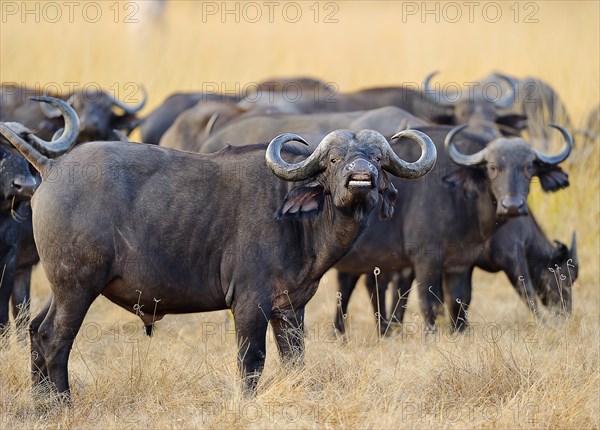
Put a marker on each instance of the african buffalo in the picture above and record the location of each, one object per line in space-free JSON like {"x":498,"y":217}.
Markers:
{"x":17,"y":182}
{"x":17,"y":185}
{"x":183,"y":227}
{"x":155,"y":125}
{"x":441,"y":236}
{"x":257,"y":127}
{"x":97,"y":111}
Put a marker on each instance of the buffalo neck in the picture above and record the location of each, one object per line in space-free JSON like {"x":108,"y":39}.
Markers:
{"x":327,"y":237}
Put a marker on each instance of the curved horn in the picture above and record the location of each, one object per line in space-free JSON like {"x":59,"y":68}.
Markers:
{"x":508,"y":99}
{"x":297,"y":171}
{"x":65,"y":142}
{"x":560,"y":157}
{"x":398,"y":167}
{"x":458,"y":157}
{"x":437,"y":100}
{"x":131,"y":109}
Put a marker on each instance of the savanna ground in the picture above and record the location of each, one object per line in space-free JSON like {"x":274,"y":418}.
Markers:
{"x":507,"y":371}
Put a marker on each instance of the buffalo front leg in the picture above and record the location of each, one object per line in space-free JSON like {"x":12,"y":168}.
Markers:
{"x":20,"y":301}
{"x":251,"y":321}
{"x":7,"y":279}
{"x":288,"y":328}
{"x":346,"y":284}
{"x":401,"y":284}
{"x":431,"y":296}
{"x":459,"y":289}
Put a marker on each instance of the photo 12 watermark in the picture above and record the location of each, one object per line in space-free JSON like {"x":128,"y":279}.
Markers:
{"x":470,"y":12}
{"x":270,"y":12}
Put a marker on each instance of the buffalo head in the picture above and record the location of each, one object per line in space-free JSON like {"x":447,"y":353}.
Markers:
{"x":477,"y":107}
{"x":16,"y":180}
{"x":508,"y":165}
{"x":98,"y":114}
{"x":350,"y":169}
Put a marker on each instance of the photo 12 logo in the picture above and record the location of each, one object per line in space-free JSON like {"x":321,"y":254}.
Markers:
{"x":270,"y":12}
{"x":69,"y":12}
{"x":470,"y":12}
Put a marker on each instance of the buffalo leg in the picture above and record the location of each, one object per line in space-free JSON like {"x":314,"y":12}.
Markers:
{"x":39,"y":369}
{"x":251,"y":321}
{"x":401,"y":284}
{"x":459,"y":289}
{"x":377,"y":289}
{"x":431,"y":296}
{"x":7,"y":279}
{"x":20,"y":301}
{"x":346,"y":284}
{"x":57,"y":334}
{"x":288,"y":328}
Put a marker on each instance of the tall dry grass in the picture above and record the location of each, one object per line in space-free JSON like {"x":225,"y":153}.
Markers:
{"x":507,"y":371}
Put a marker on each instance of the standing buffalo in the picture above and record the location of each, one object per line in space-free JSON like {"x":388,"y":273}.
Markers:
{"x":257,"y":127}
{"x":198,"y":233}
{"x":17,"y":183}
{"x":98,"y":113}
{"x":443,"y":221}
{"x":155,"y":125}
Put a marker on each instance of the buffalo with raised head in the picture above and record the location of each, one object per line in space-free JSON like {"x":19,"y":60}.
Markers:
{"x":99,"y":112}
{"x":181,"y":227}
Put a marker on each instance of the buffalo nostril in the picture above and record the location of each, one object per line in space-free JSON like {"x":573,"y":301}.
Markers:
{"x":16,"y":186}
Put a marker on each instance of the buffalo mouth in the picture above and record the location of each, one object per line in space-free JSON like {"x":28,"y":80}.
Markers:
{"x":360,"y":180}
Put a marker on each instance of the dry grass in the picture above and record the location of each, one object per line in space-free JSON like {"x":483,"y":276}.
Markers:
{"x":506,"y":372}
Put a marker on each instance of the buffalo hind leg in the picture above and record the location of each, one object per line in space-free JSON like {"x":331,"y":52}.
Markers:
{"x":20,"y":302}
{"x":39,"y":369}
{"x":251,"y":321}
{"x":346,"y":284}
{"x":288,"y":328}
{"x":57,"y":334}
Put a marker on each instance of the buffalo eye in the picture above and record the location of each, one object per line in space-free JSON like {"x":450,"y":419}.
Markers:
{"x":334,"y":160}
{"x":529,"y":169}
{"x":377,"y":158}
{"x":492,"y":170}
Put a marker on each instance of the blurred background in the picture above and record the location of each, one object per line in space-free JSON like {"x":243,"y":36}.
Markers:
{"x":183,"y":45}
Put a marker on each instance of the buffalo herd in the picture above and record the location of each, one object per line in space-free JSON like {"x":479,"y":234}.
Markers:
{"x":244,"y":202}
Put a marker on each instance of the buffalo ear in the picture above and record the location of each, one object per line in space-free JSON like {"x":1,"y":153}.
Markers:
{"x":303,"y":201}
{"x":126,"y":122}
{"x":388,"y":197}
{"x":552,"y":178}
{"x":467,"y":179}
